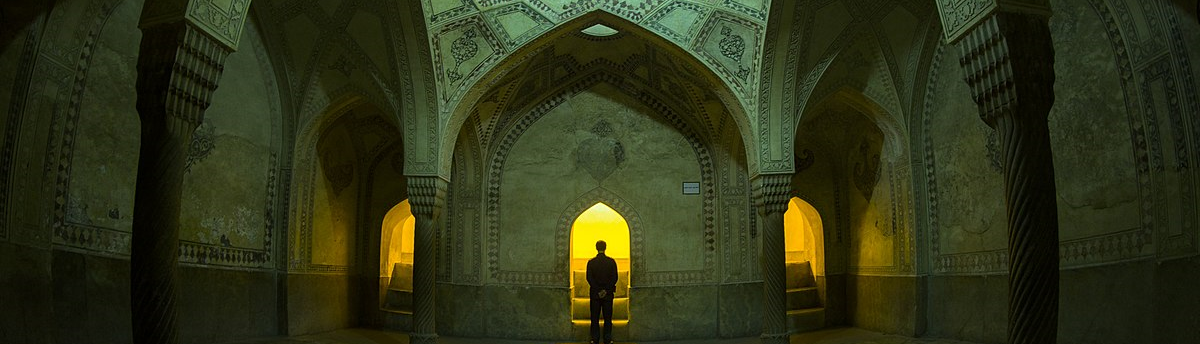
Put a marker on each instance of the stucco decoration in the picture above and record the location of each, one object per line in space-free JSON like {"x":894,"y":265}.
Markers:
{"x":96,"y":158}
{"x":523,"y":162}
{"x":504,"y":29}
{"x":653,"y":60}
{"x":221,"y":19}
{"x":1137,"y":207}
{"x":864,"y":188}
{"x":338,"y":159}
{"x":467,"y":45}
{"x":886,"y":36}
{"x":728,"y":43}
{"x":601,"y":98}
{"x":334,"y":50}
{"x":960,"y":16}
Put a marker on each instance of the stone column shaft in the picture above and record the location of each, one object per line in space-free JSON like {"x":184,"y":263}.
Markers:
{"x":427,"y":195}
{"x":178,"y":68}
{"x":771,"y":197}
{"x":1009,"y":64}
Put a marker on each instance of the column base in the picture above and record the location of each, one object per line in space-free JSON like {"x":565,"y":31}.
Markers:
{"x":775,"y":338}
{"x":422,"y":338}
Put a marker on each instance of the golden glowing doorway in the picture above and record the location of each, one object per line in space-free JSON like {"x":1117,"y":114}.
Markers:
{"x":396,"y":258}
{"x":600,"y":222}
{"x":805,"y":258}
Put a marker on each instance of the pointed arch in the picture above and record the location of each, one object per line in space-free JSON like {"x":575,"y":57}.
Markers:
{"x":816,"y":228}
{"x":894,"y":133}
{"x":396,"y":238}
{"x":542,"y":106}
{"x":305,"y":162}
{"x":562,"y":233}
{"x":461,"y":104}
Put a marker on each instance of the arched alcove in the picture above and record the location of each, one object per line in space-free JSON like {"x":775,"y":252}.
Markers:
{"x":580,"y":120}
{"x":536,"y":55}
{"x":803,"y":233}
{"x":396,"y":257}
{"x":396,"y":245}
{"x":347,"y":177}
{"x":599,"y":222}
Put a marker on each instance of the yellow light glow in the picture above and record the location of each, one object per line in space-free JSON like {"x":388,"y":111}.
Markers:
{"x":406,"y":243}
{"x":600,"y":223}
{"x":801,"y":230}
{"x":397,"y":234}
{"x":795,"y":226}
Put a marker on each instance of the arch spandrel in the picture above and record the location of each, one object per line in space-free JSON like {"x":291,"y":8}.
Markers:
{"x":457,"y":107}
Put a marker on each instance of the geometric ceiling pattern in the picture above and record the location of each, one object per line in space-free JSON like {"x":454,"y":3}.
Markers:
{"x":470,"y":37}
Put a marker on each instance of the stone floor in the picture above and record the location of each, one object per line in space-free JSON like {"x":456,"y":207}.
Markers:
{"x":831,"y":336}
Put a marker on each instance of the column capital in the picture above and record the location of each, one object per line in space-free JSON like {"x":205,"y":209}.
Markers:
{"x":179,"y":68}
{"x":771,"y":192}
{"x":959,"y":17}
{"x":1008,"y":61}
{"x":427,"y":194}
{"x":221,"y":20}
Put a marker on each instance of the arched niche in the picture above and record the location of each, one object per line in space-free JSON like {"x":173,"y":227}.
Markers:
{"x":599,"y":222}
{"x":804,"y":239}
{"x":582,"y":119}
{"x":396,"y":241}
{"x":542,"y":49}
{"x":347,"y":175}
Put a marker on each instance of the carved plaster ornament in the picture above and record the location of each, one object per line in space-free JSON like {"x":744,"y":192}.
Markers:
{"x":601,"y":154}
{"x":866,"y":171}
{"x":462,"y":49}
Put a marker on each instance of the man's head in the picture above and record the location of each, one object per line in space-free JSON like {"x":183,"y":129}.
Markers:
{"x":601,"y":245}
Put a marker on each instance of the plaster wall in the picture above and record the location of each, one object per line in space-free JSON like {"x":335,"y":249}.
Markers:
{"x":860,"y":185}
{"x":352,"y":162}
{"x":1123,"y":148}
{"x":215,"y":305}
{"x":319,"y":302}
{"x":643,"y":161}
{"x":29,"y":298}
{"x":229,"y":169}
{"x":888,"y":304}
{"x":595,"y":144}
{"x":77,"y":146}
{"x":1138,"y":301}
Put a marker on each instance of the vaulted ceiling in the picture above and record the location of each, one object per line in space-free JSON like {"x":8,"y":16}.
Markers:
{"x":773,"y":57}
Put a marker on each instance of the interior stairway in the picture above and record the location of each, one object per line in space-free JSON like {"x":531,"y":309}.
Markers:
{"x":804,"y":310}
{"x":398,"y":303}
{"x":581,"y":316}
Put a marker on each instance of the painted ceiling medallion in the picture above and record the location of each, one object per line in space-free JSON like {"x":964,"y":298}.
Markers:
{"x":600,"y":30}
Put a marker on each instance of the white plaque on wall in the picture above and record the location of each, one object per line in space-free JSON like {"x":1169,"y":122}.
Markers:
{"x":691,"y":188}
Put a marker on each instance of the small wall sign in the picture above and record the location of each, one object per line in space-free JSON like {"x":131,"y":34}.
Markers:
{"x":691,"y":188}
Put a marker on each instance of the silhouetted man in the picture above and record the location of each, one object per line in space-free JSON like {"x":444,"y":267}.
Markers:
{"x":602,"y":279}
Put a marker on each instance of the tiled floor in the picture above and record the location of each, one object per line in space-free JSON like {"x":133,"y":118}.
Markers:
{"x":832,"y":336}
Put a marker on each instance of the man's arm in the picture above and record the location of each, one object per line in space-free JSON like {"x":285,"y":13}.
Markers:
{"x":612,"y":273}
{"x":591,"y":274}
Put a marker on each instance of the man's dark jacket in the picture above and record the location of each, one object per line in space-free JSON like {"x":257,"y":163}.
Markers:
{"x":602,"y":275}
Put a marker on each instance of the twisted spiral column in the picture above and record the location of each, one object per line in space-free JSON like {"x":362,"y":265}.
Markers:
{"x":178,"y":69}
{"x":770,"y":199}
{"x":427,"y":196}
{"x":1009,"y":64}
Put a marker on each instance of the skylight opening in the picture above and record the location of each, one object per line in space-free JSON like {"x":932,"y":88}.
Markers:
{"x":600,"y":30}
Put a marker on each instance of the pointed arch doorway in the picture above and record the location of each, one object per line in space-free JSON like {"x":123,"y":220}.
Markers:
{"x":396,"y":258}
{"x":804,"y":249}
{"x":600,"y":222}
